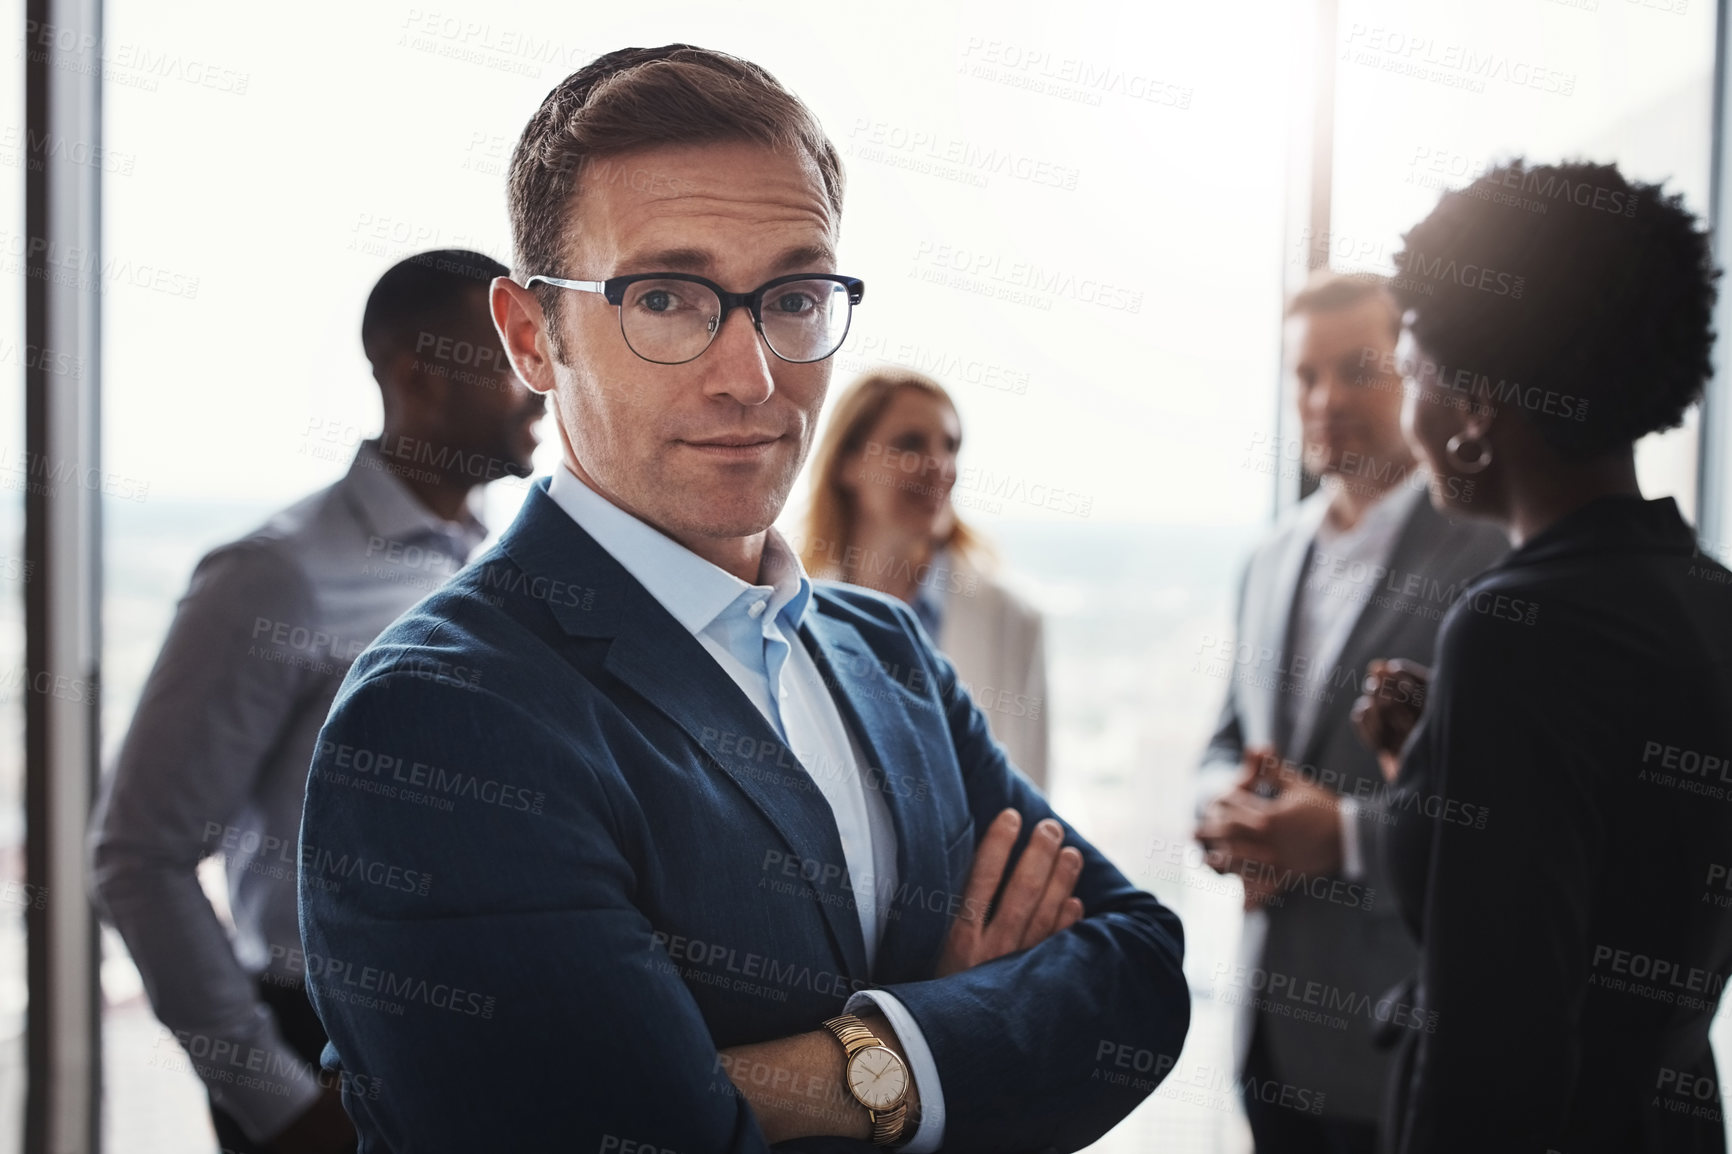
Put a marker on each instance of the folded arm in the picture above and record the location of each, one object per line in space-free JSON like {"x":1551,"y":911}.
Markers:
{"x":1027,"y":1044}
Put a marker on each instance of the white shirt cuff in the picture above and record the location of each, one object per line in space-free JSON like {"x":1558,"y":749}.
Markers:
{"x":930,"y":1134}
{"x":1352,"y":859}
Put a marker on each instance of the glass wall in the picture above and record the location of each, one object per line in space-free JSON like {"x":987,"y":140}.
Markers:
{"x":15,"y":475}
{"x":1074,"y":222}
{"x":1430,"y":95}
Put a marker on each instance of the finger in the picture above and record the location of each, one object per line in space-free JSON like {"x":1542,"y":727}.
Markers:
{"x":990,"y":858}
{"x":1246,"y":817}
{"x":1214,"y":821}
{"x":1251,"y":760}
{"x":1390,"y":765}
{"x":1410,"y":668}
{"x":1266,"y":774}
{"x":1366,"y":722}
{"x":1241,"y":836}
{"x":1027,"y":882}
{"x":1044,"y":922}
{"x":1069,"y":914}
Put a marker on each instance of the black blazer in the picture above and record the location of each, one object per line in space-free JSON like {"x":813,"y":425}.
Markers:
{"x":1569,"y":888}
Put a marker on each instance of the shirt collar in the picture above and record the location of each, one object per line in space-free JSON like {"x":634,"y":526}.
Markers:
{"x":392,"y":511}
{"x":690,"y":588}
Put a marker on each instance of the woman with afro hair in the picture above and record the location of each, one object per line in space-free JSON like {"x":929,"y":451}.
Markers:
{"x":1560,"y":824}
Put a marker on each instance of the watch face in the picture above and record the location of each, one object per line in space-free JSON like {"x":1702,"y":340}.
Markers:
{"x":878,"y":1078}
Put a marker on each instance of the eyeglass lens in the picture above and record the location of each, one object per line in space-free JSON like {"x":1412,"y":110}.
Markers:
{"x":672,"y":321}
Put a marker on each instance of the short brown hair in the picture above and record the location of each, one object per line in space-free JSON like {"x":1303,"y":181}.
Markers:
{"x":638,"y":98}
{"x":1330,"y":291}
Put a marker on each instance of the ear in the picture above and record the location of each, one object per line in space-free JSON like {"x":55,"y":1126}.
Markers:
{"x":522,"y":330}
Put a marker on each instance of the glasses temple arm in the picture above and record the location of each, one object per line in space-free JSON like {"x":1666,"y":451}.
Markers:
{"x":589,"y":286}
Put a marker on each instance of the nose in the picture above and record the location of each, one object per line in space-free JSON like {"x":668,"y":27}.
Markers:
{"x":1328,"y":395}
{"x":737,"y":364}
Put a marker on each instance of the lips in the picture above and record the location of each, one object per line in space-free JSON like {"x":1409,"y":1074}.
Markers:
{"x":733,"y":440}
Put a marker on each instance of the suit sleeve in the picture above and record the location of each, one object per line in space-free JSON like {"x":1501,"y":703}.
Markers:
{"x":212,"y":710}
{"x":1052,"y":1046}
{"x":1515,"y":835}
{"x":494,"y":1001}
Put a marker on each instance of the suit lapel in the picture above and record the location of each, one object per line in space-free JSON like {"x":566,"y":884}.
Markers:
{"x":1277,"y":599}
{"x":655,"y":655}
{"x":1414,"y":552}
{"x":878,"y":704}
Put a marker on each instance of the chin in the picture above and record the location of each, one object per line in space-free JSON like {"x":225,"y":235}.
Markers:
{"x":727,"y":516}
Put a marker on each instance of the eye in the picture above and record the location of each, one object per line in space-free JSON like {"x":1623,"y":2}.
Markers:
{"x":794,"y":301}
{"x":659,"y":298}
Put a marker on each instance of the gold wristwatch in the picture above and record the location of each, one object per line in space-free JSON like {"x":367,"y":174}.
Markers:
{"x":875,"y":1075}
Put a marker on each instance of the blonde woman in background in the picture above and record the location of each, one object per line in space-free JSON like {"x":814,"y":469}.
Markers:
{"x":881,"y":517}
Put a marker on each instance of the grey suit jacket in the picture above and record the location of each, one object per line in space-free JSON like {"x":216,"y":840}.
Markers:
{"x":1331,"y":949}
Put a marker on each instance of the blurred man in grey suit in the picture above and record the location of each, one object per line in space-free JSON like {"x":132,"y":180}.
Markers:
{"x":1362,"y":569}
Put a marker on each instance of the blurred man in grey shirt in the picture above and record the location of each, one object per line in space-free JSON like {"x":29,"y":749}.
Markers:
{"x":216,"y":759}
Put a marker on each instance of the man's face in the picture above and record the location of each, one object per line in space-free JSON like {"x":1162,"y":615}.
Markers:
{"x":709,"y":448}
{"x":1349,"y":388}
{"x":481,"y":407}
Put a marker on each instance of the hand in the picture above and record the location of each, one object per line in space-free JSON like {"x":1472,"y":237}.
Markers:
{"x":1219,"y":815}
{"x":1036,"y":904}
{"x":1273,"y":828}
{"x":1231,"y":824}
{"x":1389,"y":707}
{"x":324,"y":1128}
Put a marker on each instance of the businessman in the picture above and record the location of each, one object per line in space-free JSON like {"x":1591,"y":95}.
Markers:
{"x":714,"y":847}
{"x":215,"y":760}
{"x":1361,"y":569}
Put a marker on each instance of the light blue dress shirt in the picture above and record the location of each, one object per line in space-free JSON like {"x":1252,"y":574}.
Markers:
{"x":752,"y":632}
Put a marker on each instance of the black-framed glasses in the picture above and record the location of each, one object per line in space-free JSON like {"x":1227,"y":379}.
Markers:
{"x":671,"y":317}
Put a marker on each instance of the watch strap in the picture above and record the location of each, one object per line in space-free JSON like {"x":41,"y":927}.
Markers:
{"x":887,"y":1125}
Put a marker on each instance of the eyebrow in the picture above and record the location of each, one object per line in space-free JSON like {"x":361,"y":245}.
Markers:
{"x":802,"y":258}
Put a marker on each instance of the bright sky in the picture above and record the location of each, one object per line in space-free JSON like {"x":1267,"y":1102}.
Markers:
{"x":1109,"y":152}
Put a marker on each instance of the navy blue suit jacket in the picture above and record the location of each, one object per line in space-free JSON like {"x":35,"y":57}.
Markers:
{"x":553,"y":860}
